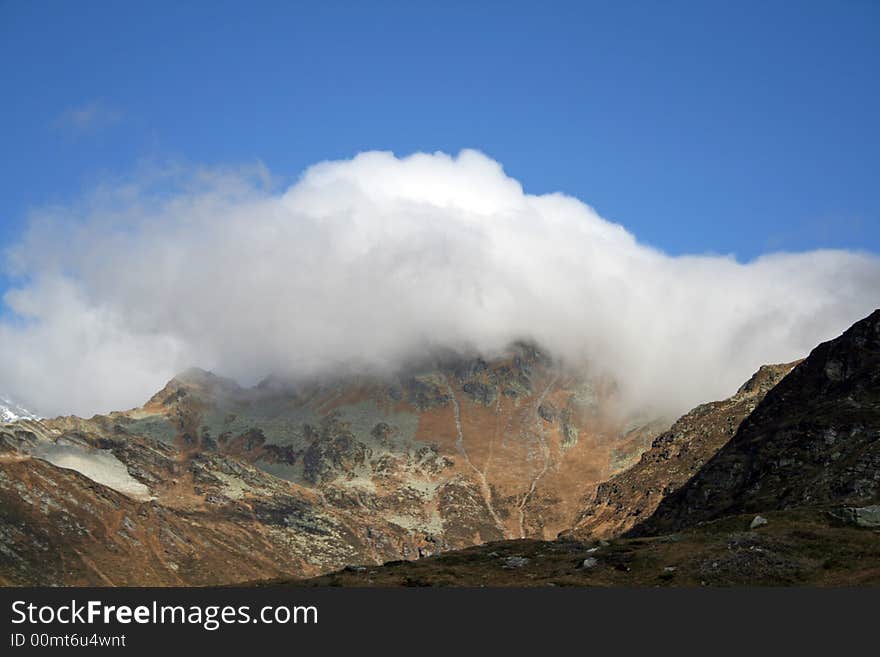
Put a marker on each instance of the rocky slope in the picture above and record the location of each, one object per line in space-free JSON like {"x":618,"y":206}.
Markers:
{"x":814,"y":440}
{"x":213,"y":483}
{"x":674,"y":457}
{"x":94,"y":505}
{"x":807,"y":458}
{"x":801,"y":547}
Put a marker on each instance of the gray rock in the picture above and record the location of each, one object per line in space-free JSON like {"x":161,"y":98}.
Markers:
{"x":861,"y":516}
{"x":590,"y":562}
{"x":515,"y":562}
{"x":480,"y":392}
{"x":759,"y":521}
{"x":547,"y":412}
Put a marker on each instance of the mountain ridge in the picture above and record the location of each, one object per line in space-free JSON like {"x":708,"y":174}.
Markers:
{"x":673,"y":458}
{"x":320,"y":474}
{"x":466,"y":466}
{"x":814,"y":439}
{"x":777,"y":503}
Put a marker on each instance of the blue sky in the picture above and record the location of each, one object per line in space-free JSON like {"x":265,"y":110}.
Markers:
{"x":702,"y":127}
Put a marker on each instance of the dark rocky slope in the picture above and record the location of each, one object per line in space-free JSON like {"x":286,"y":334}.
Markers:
{"x":814,"y":440}
{"x":674,"y":457}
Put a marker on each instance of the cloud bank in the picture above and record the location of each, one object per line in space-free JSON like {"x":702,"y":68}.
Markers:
{"x":365,"y":263}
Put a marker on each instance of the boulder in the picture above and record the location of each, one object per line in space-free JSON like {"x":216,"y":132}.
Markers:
{"x":759,"y":521}
{"x":860,"y":516}
{"x":515,"y":562}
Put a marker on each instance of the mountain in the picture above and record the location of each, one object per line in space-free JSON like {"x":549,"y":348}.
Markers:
{"x":673,"y":458}
{"x":778,"y":485}
{"x":814,"y":440}
{"x":456,"y":471}
{"x":210,"y":482}
{"x":464,"y":450}
{"x":10,"y":411}
{"x":83,"y":502}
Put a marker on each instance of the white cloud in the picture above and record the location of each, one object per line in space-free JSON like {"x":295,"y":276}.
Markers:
{"x":88,"y":117}
{"x":362,"y":263}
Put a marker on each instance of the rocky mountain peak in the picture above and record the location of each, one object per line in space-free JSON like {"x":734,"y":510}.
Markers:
{"x":195,"y":382}
{"x":764,"y":379}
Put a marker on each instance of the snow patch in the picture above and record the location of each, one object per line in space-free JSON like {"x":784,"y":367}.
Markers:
{"x":99,"y":465}
{"x":11,"y":411}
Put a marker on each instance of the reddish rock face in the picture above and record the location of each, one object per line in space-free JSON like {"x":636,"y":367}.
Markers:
{"x":279,"y":480}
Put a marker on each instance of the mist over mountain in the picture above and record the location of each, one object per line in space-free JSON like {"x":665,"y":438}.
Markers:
{"x":366,"y":264}
{"x":10,"y":411}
